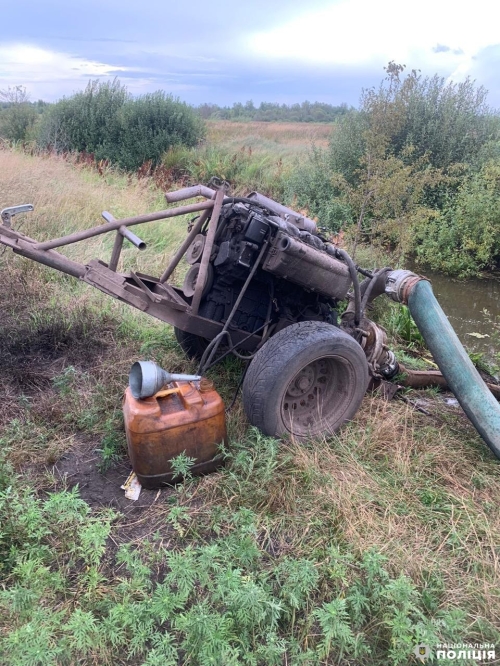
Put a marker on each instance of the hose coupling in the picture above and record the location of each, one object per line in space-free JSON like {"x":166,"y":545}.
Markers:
{"x":399,"y":284}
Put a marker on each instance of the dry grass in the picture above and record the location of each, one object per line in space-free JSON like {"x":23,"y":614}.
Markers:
{"x":69,"y":198}
{"x":52,"y":323}
{"x":279,"y":139}
{"x":400,"y":484}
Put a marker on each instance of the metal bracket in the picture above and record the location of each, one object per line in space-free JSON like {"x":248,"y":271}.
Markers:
{"x":219,"y":184}
{"x":8,"y":213}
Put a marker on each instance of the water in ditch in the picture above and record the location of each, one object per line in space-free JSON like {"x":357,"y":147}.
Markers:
{"x":465,"y":304}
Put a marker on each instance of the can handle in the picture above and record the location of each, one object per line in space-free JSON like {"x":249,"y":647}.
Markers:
{"x":163,"y":394}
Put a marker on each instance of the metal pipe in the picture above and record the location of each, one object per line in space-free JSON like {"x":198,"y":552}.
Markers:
{"x":189,"y":193}
{"x":121,"y":233}
{"x":132,"y":238}
{"x":24,"y":245}
{"x":453,"y":361}
{"x":127,"y":222}
{"x":372,"y":287}
{"x":282,"y":211}
{"x":187,"y":242}
{"x":207,"y":250}
{"x":52,"y":259}
{"x":426,"y":378}
{"x":115,"y":254}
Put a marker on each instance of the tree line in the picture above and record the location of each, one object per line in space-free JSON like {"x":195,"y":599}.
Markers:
{"x":306,"y":112}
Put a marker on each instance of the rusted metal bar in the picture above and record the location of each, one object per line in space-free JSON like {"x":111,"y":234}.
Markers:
{"x":24,"y":245}
{"x":127,"y":222}
{"x":121,"y":233}
{"x":171,"y":308}
{"x":131,"y":237}
{"x":27,"y":248}
{"x":207,"y":251}
{"x":189,"y":193}
{"x":186,"y":243}
{"x":418,"y":379}
{"x":115,"y":254}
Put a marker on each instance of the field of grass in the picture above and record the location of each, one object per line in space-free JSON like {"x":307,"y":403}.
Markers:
{"x":248,"y":155}
{"x":349,"y":550}
{"x":280,"y":139}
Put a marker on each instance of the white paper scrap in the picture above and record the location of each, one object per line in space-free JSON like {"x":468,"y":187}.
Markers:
{"x":132,"y":487}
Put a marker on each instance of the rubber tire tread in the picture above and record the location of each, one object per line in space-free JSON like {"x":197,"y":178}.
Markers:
{"x":192,"y":345}
{"x":267,"y":377}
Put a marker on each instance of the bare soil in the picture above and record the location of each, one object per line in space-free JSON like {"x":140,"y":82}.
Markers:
{"x":80,"y":466}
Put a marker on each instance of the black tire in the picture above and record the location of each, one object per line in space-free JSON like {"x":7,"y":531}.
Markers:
{"x":192,"y":345}
{"x":307,"y":380}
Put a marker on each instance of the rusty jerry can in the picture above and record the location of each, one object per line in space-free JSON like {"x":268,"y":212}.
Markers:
{"x":188,"y":418}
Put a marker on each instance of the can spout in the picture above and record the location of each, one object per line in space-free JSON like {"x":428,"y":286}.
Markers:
{"x":146,"y":378}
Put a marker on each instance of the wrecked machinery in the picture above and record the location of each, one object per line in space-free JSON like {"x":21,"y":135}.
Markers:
{"x":265,"y":284}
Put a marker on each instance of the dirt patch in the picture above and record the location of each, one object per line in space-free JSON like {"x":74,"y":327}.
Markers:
{"x":80,"y":467}
{"x":138,"y":520}
{"x":32,"y":355}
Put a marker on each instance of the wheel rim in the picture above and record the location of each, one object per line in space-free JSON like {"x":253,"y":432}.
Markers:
{"x":318,"y":396}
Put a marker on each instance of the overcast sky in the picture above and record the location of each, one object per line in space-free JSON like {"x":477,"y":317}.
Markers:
{"x":264,"y":50}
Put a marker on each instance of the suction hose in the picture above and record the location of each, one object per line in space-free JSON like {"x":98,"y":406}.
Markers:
{"x":457,"y":368}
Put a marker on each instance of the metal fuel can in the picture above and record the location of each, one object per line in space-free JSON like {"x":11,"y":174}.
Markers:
{"x":186,"y":418}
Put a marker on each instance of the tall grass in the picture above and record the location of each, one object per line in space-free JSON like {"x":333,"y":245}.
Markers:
{"x":249,"y":156}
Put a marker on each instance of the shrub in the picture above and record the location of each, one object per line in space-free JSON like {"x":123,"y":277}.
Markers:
{"x":311,"y":186}
{"x":150,"y":125}
{"x":449,"y":122}
{"x":17,"y":122}
{"x":394,"y":167}
{"x":347,"y":145}
{"x":105,"y":121}
{"x":465,"y":238}
{"x":18,"y":116}
{"x":87,"y":121}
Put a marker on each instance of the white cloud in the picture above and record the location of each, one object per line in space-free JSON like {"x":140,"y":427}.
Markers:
{"x":42,"y":70}
{"x":372,"y":32}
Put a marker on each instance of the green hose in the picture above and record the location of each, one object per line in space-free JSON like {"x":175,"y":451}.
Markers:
{"x":460,"y":374}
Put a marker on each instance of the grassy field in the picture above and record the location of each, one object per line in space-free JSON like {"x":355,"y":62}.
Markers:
{"x":249,"y":155}
{"x":280,"y":139}
{"x":349,"y":550}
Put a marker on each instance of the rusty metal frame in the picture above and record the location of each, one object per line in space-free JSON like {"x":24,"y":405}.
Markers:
{"x":150,"y":294}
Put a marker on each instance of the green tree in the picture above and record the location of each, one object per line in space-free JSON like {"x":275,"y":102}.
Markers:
{"x":18,"y":116}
